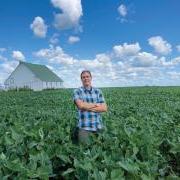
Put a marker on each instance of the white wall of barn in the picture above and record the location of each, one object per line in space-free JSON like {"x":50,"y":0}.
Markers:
{"x":23,"y":77}
{"x":54,"y":85}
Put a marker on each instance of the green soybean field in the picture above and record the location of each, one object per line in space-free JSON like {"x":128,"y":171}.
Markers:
{"x":141,"y":138}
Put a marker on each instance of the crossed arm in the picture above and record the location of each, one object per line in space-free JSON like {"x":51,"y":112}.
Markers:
{"x":94,"y":107}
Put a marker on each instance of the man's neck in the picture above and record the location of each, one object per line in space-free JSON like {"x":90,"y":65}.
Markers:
{"x":88,"y":87}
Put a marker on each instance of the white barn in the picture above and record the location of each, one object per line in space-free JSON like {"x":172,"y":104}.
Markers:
{"x":34,"y":76}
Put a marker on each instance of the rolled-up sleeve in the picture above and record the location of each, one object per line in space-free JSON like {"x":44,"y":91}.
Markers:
{"x":76,"y":95}
{"x":101,"y":97}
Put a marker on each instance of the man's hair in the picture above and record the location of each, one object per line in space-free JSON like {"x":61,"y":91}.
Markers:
{"x":85,"y":71}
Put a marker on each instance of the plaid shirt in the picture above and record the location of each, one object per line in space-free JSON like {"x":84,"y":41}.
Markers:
{"x":88,"y":120}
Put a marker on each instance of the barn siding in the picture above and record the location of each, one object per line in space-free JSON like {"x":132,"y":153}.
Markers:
{"x":23,"y":77}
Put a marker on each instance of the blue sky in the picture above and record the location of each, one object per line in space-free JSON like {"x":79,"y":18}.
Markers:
{"x":123,"y":43}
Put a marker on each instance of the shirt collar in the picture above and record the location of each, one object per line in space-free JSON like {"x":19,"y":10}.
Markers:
{"x":87,"y":90}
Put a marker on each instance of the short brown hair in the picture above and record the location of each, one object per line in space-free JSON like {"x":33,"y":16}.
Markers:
{"x":85,"y":71}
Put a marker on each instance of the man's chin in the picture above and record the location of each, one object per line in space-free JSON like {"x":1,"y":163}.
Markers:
{"x":87,"y":84}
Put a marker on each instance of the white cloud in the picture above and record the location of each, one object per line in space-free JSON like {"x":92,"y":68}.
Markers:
{"x":71,"y":13}
{"x":176,"y":60}
{"x":174,"y":75}
{"x":122,"y":10}
{"x":55,"y":55}
{"x":73,"y":39}
{"x":103,"y":58}
{"x":164,"y":63}
{"x":126,"y":49}
{"x":2,"y":58}
{"x":18,"y":55}
{"x":171,"y":63}
{"x":6,"y":69}
{"x":145,"y":59}
{"x":54,"y":39}
{"x":39,"y":27}
{"x":178,"y":48}
{"x":2,"y":50}
{"x":161,"y":46}
{"x":137,"y":68}
{"x":69,"y":68}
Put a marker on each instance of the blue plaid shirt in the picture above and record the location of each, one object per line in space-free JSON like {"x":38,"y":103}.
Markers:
{"x":91,"y":121}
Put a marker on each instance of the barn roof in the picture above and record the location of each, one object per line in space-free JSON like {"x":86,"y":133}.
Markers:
{"x":42,"y":72}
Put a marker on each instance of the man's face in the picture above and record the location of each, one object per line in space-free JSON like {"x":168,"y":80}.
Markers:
{"x":86,"y":79}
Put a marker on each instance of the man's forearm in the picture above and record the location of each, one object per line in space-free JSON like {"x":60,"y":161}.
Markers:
{"x":98,"y":109}
{"x":94,"y":107}
{"x":87,"y":106}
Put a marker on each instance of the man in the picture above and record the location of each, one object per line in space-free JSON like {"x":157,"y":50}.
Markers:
{"x":90,"y":103}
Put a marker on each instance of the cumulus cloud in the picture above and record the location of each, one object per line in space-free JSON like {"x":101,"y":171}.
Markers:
{"x":6,"y":69}
{"x":55,"y":55}
{"x":2,"y":50}
{"x":103,"y":58}
{"x":174,"y":75}
{"x":169,"y":63}
{"x":124,"y":65}
{"x":54,"y":39}
{"x":138,"y":68}
{"x":105,"y":72}
{"x":178,"y":48}
{"x":69,"y":68}
{"x":73,"y":39}
{"x":71,"y":13}
{"x":122,"y":10}
{"x":39,"y":27}
{"x":126,"y":49}
{"x":123,"y":13}
{"x":18,"y":55}
{"x":160,"y":45}
{"x":9,"y":66}
{"x":2,"y":58}
{"x":176,"y":60}
{"x":145,"y":59}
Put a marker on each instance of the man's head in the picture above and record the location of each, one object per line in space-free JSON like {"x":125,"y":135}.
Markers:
{"x":86,"y":78}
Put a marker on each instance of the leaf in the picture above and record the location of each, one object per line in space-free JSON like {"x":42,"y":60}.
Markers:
{"x":64,"y":158}
{"x":2,"y":156}
{"x":117,"y":174}
{"x":68,"y":171}
{"x":145,"y":177}
{"x":15,"y":166}
{"x":99,"y":175}
{"x":41,"y":133}
{"x":17,"y":137}
{"x":135,"y":150}
{"x":87,"y":166}
{"x":8,"y":140}
{"x":129,"y":166}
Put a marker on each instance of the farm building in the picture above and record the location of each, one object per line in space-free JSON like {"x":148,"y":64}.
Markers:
{"x":34,"y":76}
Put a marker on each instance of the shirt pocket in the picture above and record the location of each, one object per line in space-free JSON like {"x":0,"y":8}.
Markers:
{"x":83,"y":97}
{"x":95,"y":98}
